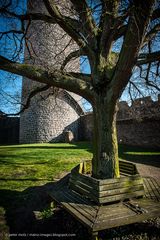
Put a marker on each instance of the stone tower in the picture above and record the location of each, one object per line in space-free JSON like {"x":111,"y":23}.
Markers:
{"x":54,"y":111}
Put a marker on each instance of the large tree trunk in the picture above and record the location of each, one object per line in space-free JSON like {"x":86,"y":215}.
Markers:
{"x":105,"y":162}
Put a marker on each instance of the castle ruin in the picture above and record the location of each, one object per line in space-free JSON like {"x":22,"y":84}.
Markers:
{"x":138,"y":124}
{"x":55,"y":111}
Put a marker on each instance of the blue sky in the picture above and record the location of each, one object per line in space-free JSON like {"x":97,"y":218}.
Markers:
{"x":10,"y":84}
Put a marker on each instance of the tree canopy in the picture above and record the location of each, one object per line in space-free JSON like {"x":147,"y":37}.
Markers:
{"x":95,"y":26}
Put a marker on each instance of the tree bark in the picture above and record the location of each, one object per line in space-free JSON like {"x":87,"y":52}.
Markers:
{"x":105,"y":162}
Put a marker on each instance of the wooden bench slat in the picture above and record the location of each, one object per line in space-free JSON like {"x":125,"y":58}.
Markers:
{"x":77,"y":215}
{"x":83,"y":210}
{"x":82,"y":183}
{"x":85,"y":178}
{"x":106,"y":185}
{"x":113,"y":213}
{"x":126,"y":166}
{"x":121,"y":197}
{"x":114,"y":218}
{"x":108,"y":190}
{"x":154,"y":186}
{"x":88,"y":194}
{"x":88,"y":209}
{"x":126,"y":219}
{"x":121,"y":185}
{"x":117,"y":180}
{"x":82,"y":216}
{"x":152,"y":189}
{"x":83,"y":200}
{"x":121,"y":190}
{"x":126,"y":172}
{"x":109,"y":195}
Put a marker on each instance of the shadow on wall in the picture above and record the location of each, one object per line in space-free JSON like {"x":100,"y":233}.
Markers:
{"x":71,"y":129}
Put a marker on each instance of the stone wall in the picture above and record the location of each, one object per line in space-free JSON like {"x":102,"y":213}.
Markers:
{"x":52,"y":112}
{"x":137,"y":125}
{"x":86,"y":126}
{"x":145,"y":132}
{"x":47,"y":120}
{"x":140,"y":108}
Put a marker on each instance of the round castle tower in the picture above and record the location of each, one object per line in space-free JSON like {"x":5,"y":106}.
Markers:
{"x":54,"y":111}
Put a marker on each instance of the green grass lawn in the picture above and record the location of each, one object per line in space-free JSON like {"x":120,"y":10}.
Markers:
{"x":27,"y":171}
{"x":27,"y":165}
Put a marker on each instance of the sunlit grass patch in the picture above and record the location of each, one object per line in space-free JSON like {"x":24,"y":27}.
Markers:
{"x":35,"y":164}
{"x":27,"y":165}
{"x":143,"y":153}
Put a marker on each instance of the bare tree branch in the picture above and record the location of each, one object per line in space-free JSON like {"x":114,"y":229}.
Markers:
{"x":26,"y":105}
{"x":121,"y":32}
{"x":108,"y":25}
{"x":136,"y":27}
{"x":151,"y":34}
{"x":53,"y":78}
{"x":66,"y":25}
{"x":71,"y":56}
{"x":145,"y":58}
{"x":84,"y":76}
{"x":148,"y":82}
{"x":156,"y":14}
{"x":28,"y":16}
{"x":135,"y":86}
{"x":10,"y":31}
{"x":87,"y":19}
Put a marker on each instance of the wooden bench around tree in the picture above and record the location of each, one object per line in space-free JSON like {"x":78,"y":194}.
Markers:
{"x":129,"y":185}
{"x":98,"y":216}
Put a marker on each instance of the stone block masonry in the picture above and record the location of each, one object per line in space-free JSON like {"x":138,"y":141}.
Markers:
{"x":47,"y":120}
{"x":138,"y":125}
{"x":55,"y":111}
{"x":145,"y":132}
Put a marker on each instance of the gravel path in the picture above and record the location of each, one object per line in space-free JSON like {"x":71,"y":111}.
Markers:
{"x":149,"y":171}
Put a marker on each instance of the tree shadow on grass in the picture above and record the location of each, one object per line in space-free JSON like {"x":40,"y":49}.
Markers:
{"x":140,"y":155}
{"x":6,"y":161}
{"x":21,"y":208}
{"x":73,"y":145}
